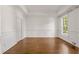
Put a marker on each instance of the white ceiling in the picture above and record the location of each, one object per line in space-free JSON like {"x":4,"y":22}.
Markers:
{"x":48,"y":10}
{"x":45,"y":9}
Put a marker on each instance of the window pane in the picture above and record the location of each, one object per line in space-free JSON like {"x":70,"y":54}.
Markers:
{"x":65,"y":24}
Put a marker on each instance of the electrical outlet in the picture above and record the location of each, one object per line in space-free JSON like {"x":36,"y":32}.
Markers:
{"x":73,"y":43}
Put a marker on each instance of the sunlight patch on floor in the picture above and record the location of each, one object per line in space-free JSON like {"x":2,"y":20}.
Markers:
{"x":64,"y":49}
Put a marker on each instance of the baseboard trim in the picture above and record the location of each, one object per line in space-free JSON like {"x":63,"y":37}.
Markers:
{"x":10,"y":47}
{"x":68,"y":42}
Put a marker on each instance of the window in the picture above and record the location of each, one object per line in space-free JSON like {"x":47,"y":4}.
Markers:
{"x":65,"y":24}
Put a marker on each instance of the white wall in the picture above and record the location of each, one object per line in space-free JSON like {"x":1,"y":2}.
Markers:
{"x":73,"y":24}
{"x":74,"y":28}
{"x":8,"y":27}
{"x":15,"y":25}
{"x":40,"y":26}
{"x":12,"y":26}
{"x":21,"y":23}
{"x":0,"y":27}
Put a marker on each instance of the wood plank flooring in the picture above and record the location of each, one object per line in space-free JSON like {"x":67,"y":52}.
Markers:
{"x":43,"y":45}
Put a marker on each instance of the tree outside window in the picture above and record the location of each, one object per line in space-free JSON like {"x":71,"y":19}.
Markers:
{"x":65,"y":24}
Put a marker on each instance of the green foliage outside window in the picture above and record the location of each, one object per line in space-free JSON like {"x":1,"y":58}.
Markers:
{"x":65,"y":24}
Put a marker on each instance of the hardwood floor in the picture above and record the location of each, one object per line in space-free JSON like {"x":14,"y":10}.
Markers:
{"x":35,"y":45}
